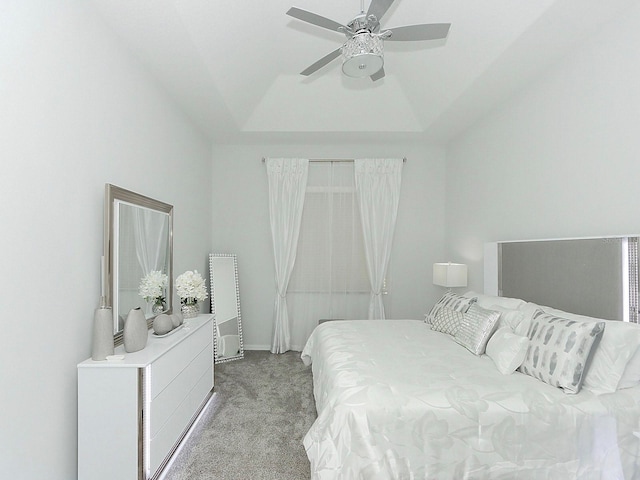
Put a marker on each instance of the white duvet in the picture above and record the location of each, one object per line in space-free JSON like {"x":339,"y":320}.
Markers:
{"x":396,"y":400}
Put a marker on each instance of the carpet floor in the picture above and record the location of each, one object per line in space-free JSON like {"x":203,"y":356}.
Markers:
{"x":262,"y":408}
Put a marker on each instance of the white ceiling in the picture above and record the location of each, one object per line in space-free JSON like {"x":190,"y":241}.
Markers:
{"x":234,"y":66}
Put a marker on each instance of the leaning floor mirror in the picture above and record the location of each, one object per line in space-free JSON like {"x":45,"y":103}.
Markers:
{"x":225,"y":307}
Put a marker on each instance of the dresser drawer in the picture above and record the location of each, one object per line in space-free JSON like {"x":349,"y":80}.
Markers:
{"x":164,"y":441}
{"x":166,"y":368}
{"x":167,"y":401}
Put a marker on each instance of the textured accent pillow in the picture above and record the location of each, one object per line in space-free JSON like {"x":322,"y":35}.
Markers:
{"x":507,"y":350}
{"x":451,"y":300}
{"x":560,"y":350}
{"x":617,"y":346}
{"x":475,"y":329}
{"x":615,"y":350}
{"x":447,"y":320}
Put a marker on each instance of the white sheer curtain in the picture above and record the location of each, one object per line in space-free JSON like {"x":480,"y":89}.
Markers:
{"x":151,"y":234}
{"x":287,"y":185}
{"x":150,"y":231}
{"x":378,"y":188}
{"x":329,"y":279}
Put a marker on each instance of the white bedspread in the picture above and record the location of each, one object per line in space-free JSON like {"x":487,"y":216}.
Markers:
{"x":396,"y":400}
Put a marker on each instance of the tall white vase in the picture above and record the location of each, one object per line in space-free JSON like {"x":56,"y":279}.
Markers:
{"x":135,"y":331}
{"x":102,"y":344}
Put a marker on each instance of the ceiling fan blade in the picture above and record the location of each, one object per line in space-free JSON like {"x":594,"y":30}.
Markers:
{"x":379,"y":8}
{"x":431,"y":31}
{"x":321,"y":63}
{"x":378,"y":75}
{"x":316,"y":19}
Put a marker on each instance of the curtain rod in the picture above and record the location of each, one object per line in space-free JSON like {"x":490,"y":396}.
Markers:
{"x":336,"y":160}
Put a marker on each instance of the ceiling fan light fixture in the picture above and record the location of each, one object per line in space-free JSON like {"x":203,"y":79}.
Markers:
{"x":362,"y":55}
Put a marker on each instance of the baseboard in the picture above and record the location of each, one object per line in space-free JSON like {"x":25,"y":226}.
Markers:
{"x":256,"y":347}
{"x":267,"y":347}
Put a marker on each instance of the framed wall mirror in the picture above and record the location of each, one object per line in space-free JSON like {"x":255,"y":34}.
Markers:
{"x":225,"y":307}
{"x":138,"y":239}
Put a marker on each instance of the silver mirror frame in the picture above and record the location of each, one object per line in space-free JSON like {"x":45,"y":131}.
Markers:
{"x":115,"y":195}
{"x":212,"y":281}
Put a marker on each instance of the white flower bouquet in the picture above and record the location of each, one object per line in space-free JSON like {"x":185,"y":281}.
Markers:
{"x":152,"y":286}
{"x":191,"y":288}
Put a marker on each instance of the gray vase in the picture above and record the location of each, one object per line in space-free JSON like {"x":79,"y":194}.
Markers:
{"x":135,"y":331}
{"x":102,"y":344}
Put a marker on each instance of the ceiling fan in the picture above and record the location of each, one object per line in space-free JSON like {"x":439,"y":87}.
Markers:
{"x":362,"y":53}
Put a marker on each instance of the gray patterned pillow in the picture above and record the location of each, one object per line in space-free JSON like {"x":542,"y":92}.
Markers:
{"x":476,"y":328}
{"x":447,"y":320}
{"x":451,"y":300}
{"x":560,"y":350}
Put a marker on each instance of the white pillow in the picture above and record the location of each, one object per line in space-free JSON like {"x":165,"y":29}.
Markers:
{"x":485,"y":301}
{"x":631,"y":376}
{"x":507,"y":350}
{"x":618,"y":344}
{"x":515,"y":320}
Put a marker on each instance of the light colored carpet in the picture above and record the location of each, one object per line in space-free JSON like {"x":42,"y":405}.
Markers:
{"x":253,"y":430}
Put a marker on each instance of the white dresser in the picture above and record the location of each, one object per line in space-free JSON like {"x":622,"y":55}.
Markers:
{"x":133,"y":413}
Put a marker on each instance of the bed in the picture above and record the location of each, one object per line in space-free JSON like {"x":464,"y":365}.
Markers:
{"x":397,"y":399}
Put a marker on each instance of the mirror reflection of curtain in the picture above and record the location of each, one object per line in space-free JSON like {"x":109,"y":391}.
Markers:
{"x":378,"y":186}
{"x":329,"y":279}
{"x":129,"y":271}
{"x":287,"y":184}
{"x":151,"y":237}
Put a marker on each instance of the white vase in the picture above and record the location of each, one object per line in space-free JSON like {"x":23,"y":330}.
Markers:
{"x":135,"y":331}
{"x":102,"y":341}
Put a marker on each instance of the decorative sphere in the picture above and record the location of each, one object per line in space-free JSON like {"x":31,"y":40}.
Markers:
{"x":162,"y":324}
{"x":177,"y":319}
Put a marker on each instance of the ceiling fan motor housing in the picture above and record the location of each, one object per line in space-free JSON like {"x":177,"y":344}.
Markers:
{"x":362,"y":23}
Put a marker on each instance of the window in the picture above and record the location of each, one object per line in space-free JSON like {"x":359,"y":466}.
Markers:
{"x":329,"y":278}
{"x":330,"y":256}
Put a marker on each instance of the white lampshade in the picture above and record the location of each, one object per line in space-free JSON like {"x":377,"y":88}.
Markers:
{"x":450,"y":274}
{"x":362,"y":55}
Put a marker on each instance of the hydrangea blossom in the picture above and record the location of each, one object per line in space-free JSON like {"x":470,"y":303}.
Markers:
{"x":152,"y":286}
{"x":191,"y":287}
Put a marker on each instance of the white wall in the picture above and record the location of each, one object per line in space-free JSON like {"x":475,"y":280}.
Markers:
{"x":241,"y":225}
{"x":559,"y":160}
{"x":76,"y":112}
